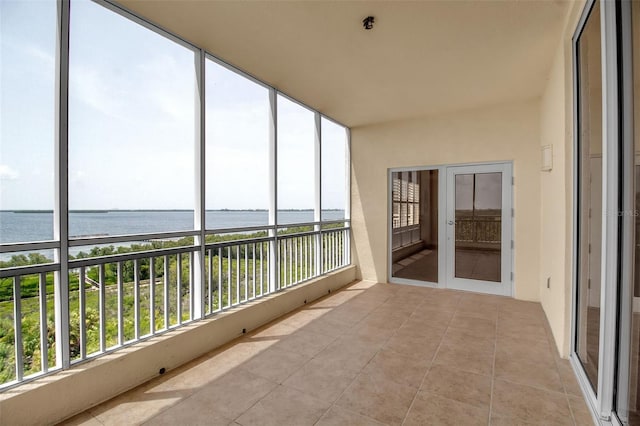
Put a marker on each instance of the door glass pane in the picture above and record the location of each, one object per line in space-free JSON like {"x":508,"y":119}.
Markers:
{"x":478,"y":226}
{"x":628,"y":404}
{"x":415,"y":225}
{"x":589,"y":196}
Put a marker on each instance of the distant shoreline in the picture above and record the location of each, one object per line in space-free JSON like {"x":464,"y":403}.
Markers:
{"x":164,"y":210}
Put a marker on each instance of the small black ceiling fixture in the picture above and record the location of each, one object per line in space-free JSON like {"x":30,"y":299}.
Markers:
{"x":368,"y":22}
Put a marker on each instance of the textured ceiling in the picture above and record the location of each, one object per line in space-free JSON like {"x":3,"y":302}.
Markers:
{"x":421,"y":57}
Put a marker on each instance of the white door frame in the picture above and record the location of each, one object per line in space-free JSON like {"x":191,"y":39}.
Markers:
{"x":506,"y":167}
{"x":505,"y":286}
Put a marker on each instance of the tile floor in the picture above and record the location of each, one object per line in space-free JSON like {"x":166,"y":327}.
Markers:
{"x":371,"y":354}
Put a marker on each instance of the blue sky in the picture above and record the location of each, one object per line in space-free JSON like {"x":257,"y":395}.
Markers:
{"x":131,"y":122}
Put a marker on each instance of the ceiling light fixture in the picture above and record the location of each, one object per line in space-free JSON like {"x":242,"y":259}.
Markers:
{"x":368,"y":22}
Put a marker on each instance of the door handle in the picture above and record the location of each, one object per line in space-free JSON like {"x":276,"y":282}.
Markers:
{"x":451,"y":222}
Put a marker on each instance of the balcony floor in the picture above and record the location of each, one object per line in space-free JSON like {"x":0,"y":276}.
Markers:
{"x":371,"y":354}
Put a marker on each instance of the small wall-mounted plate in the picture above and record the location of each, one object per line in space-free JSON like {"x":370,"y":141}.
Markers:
{"x":547,"y":158}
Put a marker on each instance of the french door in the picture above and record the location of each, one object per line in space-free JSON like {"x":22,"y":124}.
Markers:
{"x":450,"y":226}
{"x":478,"y":228}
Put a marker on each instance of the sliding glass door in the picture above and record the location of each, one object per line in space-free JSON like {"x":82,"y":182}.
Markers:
{"x":606,"y":305}
{"x":589,"y":196}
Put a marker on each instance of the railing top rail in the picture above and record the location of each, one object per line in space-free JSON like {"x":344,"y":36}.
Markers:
{"x":324,"y":231}
{"x":122,"y":257}
{"x":239,"y":229}
{"x":29,"y":270}
{"x":28,"y":246}
{"x":81,"y":241}
{"x":222,"y":244}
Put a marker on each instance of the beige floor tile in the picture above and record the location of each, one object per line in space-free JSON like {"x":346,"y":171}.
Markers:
{"x":520,"y":402}
{"x":581,"y":413}
{"x":424,"y":328}
{"x":346,"y":315}
{"x":305,"y":342}
{"x":303,"y":317}
{"x":531,"y":350}
{"x":404,"y":370}
{"x":431,"y":409}
{"x":345,"y":353}
{"x":136,"y":406}
{"x":275,"y":330}
{"x":373,"y":332}
{"x":328,"y":327}
{"x":481,"y":327}
{"x":413,"y":346}
{"x":568,"y":377}
{"x":337,"y":416}
{"x":284,"y":406}
{"x":497,"y":420}
{"x":542,"y":373}
{"x":275,"y":364}
{"x":520,"y":308}
{"x":459,"y":357}
{"x":315,"y":379}
{"x":462,"y":386}
{"x":432,"y":318}
{"x":440,"y":304}
{"x":190,"y":412}
{"x":234,"y":393}
{"x":472,"y":308}
{"x":522,"y":329}
{"x":464,"y":338}
{"x":82,"y":419}
{"x":468,"y":298}
{"x":382,"y":400}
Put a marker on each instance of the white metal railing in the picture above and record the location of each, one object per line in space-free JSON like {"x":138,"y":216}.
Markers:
{"x":119,"y":299}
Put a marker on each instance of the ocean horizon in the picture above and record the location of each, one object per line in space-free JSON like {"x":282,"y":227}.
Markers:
{"x":37,"y":225}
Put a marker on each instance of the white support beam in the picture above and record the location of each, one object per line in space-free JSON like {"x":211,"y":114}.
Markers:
{"x":61,"y":206}
{"x":199,"y":211}
{"x":274,"y":275}
{"x":317,"y":186}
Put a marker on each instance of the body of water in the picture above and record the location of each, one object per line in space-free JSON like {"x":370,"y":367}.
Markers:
{"x":38,"y":226}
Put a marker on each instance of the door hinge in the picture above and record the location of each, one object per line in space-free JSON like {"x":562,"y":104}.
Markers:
{"x":512,"y":244}
{"x":589,"y":283}
{"x":512,"y":276}
{"x":513,"y":212}
{"x":513,"y":180}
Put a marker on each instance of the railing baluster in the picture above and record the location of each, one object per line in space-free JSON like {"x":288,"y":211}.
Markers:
{"x":261,"y":269}
{"x":191,"y":285}
{"x":179,"y":288}
{"x":17,"y":328}
{"x":102,"y":310}
{"x":120,"y":304}
{"x":82,"y":319}
{"x":253,"y":271}
{"x":165,"y":294}
{"x":136,"y":299}
{"x":220,"y":278}
{"x":210,"y":279}
{"x":238,"y":274}
{"x":152,"y":295}
{"x":44,"y":329}
{"x":229,"y":290}
{"x":246,"y":272}
{"x":291,"y":260}
{"x":295,"y":247}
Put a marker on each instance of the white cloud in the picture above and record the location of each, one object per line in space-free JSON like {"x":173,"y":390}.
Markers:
{"x":7,"y":173}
